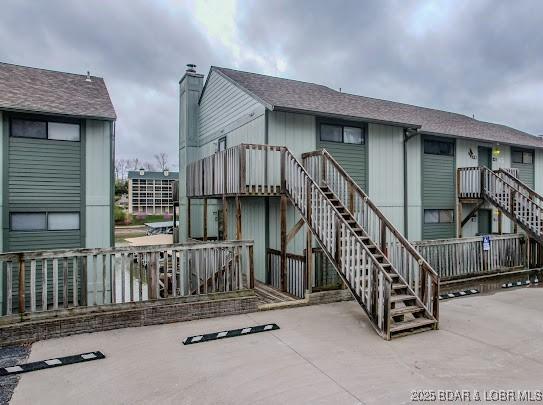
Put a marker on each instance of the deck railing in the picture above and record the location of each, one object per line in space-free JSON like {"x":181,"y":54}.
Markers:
{"x":513,"y":198}
{"x":407,"y":261}
{"x":509,"y":177}
{"x":296,"y":276}
{"x":467,"y":257}
{"x":244,"y":169}
{"x":60,"y":279}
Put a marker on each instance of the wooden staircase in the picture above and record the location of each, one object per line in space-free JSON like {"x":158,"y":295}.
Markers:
{"x":395,"y":305}
{"x":407,"y":313}
{"x":516,"y":200}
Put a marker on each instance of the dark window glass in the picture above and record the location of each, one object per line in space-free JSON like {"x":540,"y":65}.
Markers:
{"x":431,"y":216}
{"x":29,"y":129}
{"x":438,"y":148}
{"x":446,"y":216}
{"x":26,"y":221}
{"x":517,"y":156}
{"x":528,"y":158}
{"x":353,"y":135}
{"x":434,"y":216}
{"x":331,"y":133}
{"x":222,"y":144}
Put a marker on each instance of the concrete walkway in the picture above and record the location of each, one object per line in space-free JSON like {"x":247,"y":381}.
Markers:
{"x":326,"y":354}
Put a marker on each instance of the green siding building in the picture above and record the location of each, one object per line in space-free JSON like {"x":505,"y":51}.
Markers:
{"x":404,"y":156}
{"x":57,"y":152}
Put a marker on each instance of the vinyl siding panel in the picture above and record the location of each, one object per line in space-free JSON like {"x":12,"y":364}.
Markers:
{"x":295,"y":131}
{"x":353,"y":158}
{"x":44,"y":173}
{"x":438,"y":192}
{"x":223,"y":103}
{"x":525,"y":173}
{"x":385,"y":187}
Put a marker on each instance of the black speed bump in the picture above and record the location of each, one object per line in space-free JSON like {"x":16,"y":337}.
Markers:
{"x":230,"y":333}
{"x":56,"y":362}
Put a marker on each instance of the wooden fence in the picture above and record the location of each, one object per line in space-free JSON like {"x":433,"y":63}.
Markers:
{"x":50,"y":280}
{"x":296,"y":275}
{"x":244,"y":169}
{"x":466,"y":257}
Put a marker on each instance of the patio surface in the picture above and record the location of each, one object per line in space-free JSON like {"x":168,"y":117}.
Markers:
{"x":324,"y":354}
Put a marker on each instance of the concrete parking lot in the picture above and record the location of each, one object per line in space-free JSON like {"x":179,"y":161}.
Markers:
{"x":325,"y":354}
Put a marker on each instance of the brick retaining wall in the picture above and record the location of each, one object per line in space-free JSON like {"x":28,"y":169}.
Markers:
{"x":85,"y":320}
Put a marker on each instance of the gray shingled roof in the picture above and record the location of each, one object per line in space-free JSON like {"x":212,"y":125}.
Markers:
{"x":148,"y":175}
{"x":45,"y":91}
{"x":284,"y":94}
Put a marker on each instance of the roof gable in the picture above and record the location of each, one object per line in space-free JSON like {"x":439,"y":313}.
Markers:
{"x":50,"y":92}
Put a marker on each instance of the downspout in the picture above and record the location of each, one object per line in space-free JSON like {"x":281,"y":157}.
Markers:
{"x":407,"y":135}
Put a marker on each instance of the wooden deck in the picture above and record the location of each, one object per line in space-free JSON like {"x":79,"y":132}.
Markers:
{"x":268,"y":295}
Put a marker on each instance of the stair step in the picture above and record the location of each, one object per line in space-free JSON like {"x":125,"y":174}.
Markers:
{"x":406,"y":310}
{"x":402,"y":297}
{"x":415,"y":323}
{"x":397,"y":286}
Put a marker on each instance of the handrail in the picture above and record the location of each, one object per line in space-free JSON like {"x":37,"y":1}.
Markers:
{"x":338,"y":214}
{"x":376,"y":210}
{"x":517,"y":182}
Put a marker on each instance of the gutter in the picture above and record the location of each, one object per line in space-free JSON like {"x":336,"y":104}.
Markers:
{"x":407,"y":135}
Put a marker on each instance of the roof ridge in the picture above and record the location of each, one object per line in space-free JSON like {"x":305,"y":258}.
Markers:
{"x":273,"y":77}
{"x":49,"y":70}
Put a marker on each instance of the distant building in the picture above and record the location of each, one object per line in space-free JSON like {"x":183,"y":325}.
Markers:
{"x":151,"y":193}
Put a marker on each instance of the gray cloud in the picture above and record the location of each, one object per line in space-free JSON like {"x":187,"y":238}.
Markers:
{"x":481,"y":57}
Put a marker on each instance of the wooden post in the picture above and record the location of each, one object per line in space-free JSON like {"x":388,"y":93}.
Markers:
{"x":458,"y":206}
{"x":528,"y":252}
{"x":151,"y":265}
{"x":189,"y":234}
{"x":513,"y":202}
{"x":21,"y":285}
{"x":251,"y":268}
{"x":309,"y":261}
{"x":323,"y":169}
{"x":238,"y":219}
{"x":384,"y":238}
{"x":283,"y":170}
{"x":225,"y":217}
{"x":205,"y":219}
{"x":84,"y":275}
{"x":351,"y":199}
{"x":242,"y":169}
{"x":283,"y":215}
{"x":500,"y":222}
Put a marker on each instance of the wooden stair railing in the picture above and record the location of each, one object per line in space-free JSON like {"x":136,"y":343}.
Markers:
{"x":516,"y":200}
{"x":520,"y":186}
{"x":413,"y":269}
{"x":392,"y":305}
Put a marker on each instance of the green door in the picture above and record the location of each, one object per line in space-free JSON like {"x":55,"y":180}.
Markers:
{"x":347,"y":143}
{"x":523,"y":160}
{"x":438,"y":188}
{"x":485,"y":157}
{"x":485,"y":222}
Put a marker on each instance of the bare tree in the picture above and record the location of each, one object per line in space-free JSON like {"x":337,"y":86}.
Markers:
{"x":162,"y":160}
{"x":121,"y":168}
{"x":148,"y":166}
{"x":134,"y":164}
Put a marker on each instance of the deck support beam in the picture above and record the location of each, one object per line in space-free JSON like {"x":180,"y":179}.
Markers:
{"x":283,"y":216}
{"x":472,"y":213}
{"x":189,"y":234}
{"x":224,"y":218}
{"x":295,"y":229}
{"x":205,"y":219}
{"x":238,"y":219}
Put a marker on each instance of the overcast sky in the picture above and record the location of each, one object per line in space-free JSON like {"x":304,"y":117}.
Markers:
{"x":472,"y":57}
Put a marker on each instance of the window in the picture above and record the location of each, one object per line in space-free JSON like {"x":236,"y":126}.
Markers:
{"x":42,"y":221}
{"x":521,"y":156}
{"x":331,"y":133}
{"x":29,"y":129}
{"x":61,"y":131}
{"x":63,"y":221}
{"x":342,"y":134}
{"x":436,"y":216}
{"x":28,"y":221}
{"x":352,"y":135}
{"x":222,"y":144}
{"x":432,"y":147}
